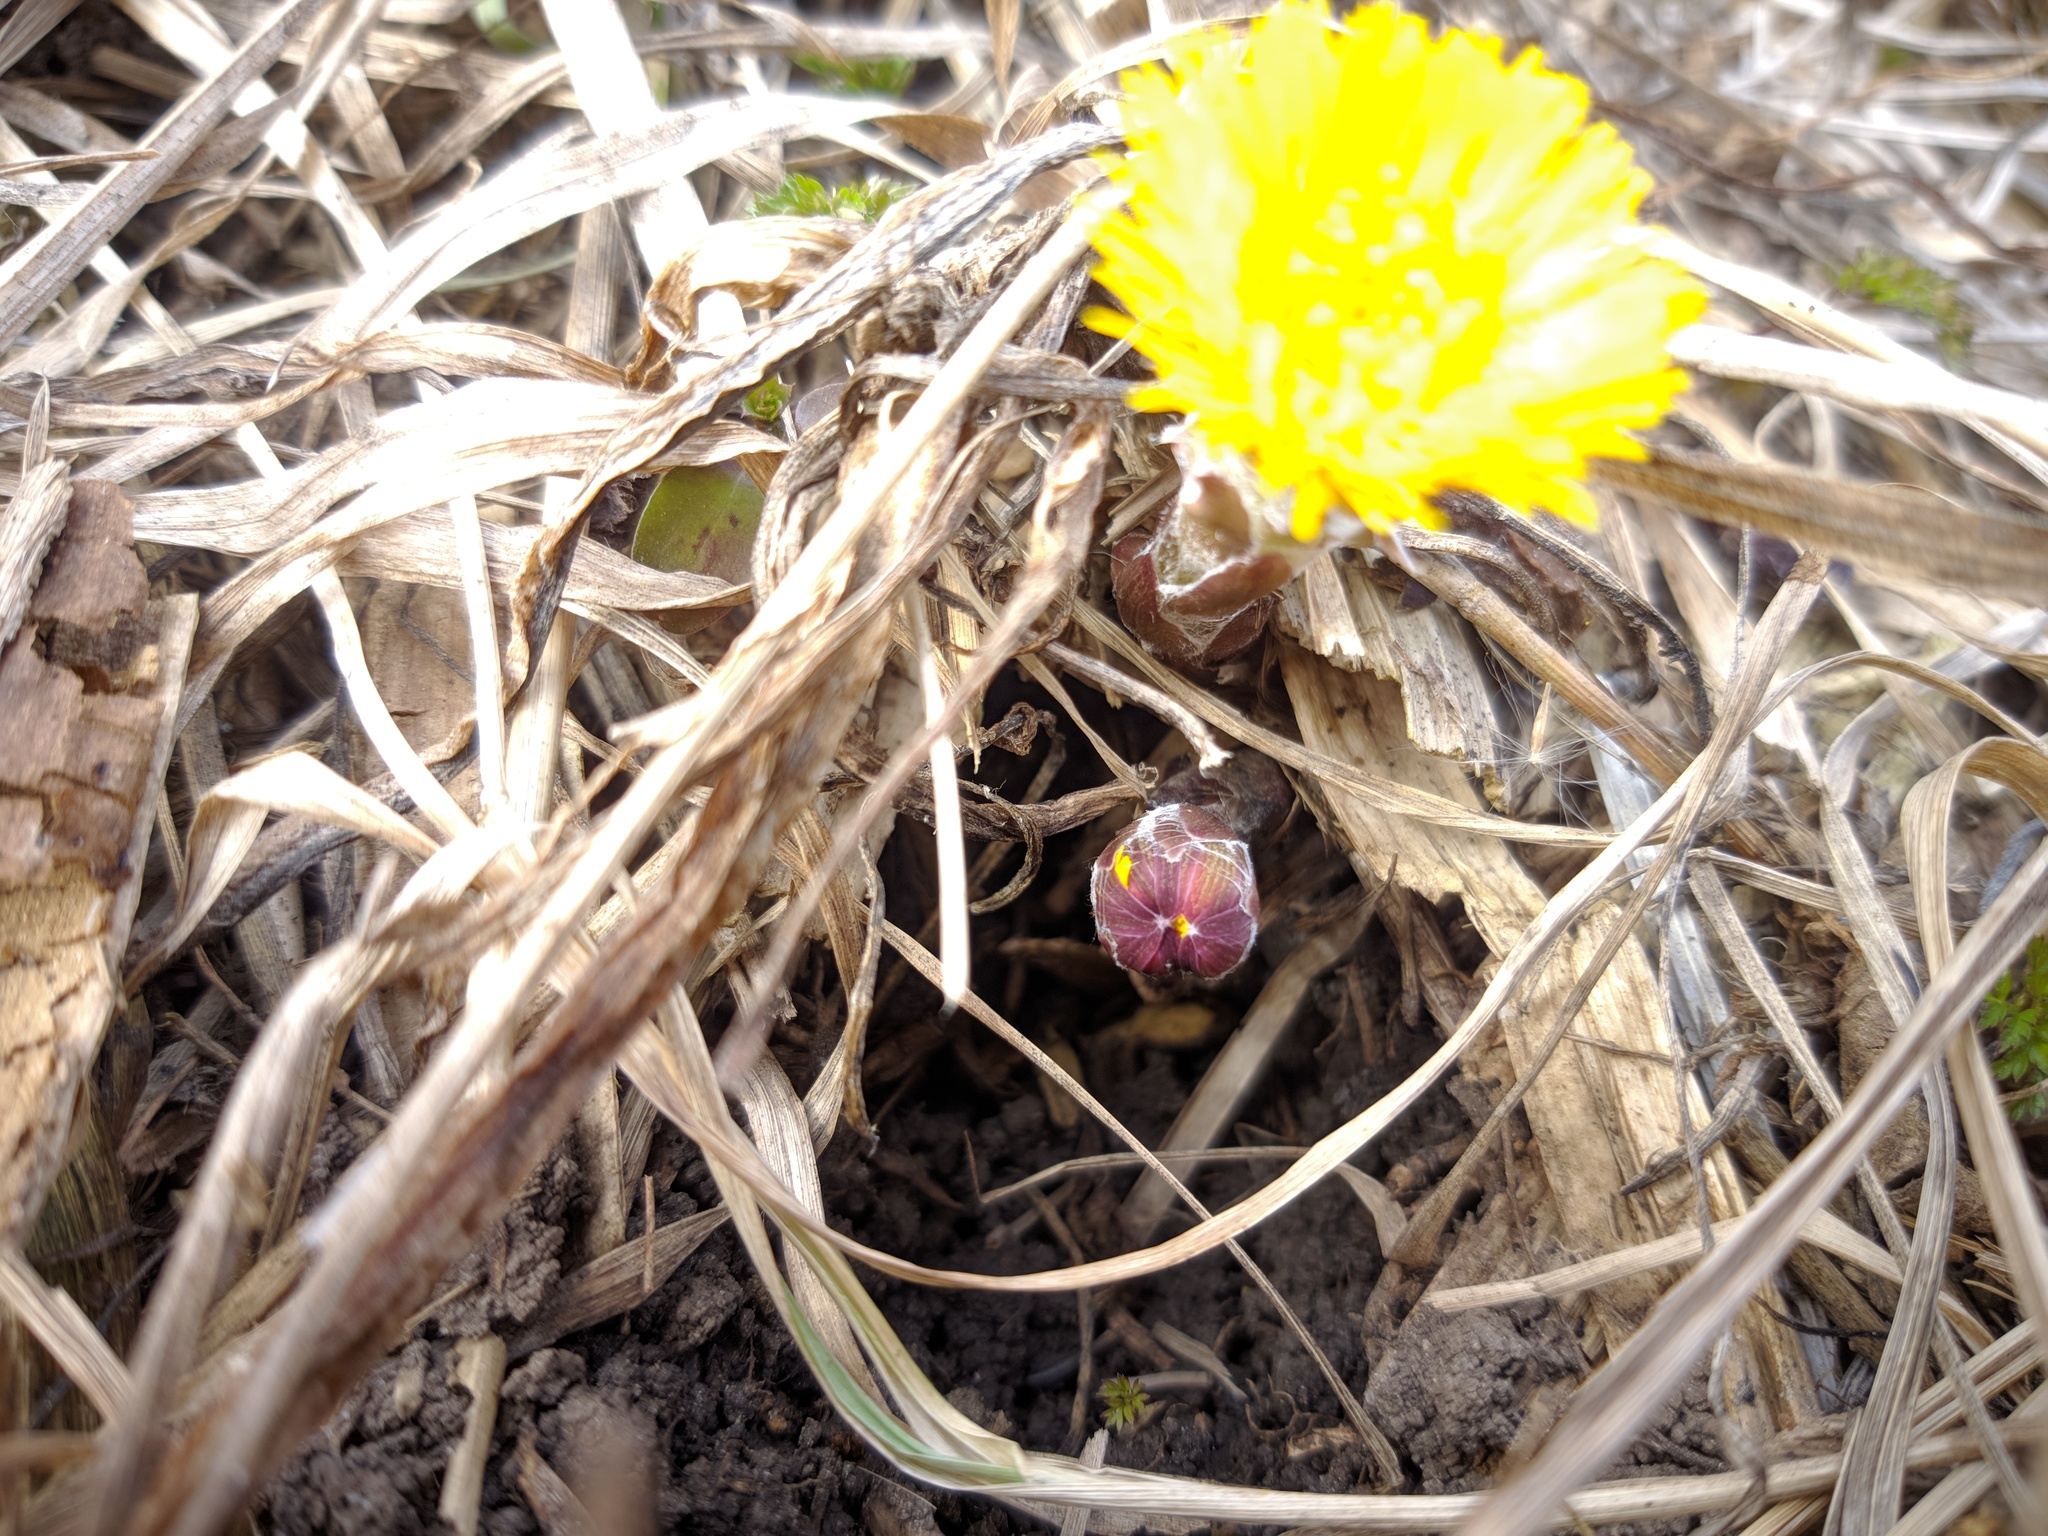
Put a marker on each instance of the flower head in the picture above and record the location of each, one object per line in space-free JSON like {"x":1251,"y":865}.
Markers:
{"x":1376,"y":265}
{"x":1176,"y":892}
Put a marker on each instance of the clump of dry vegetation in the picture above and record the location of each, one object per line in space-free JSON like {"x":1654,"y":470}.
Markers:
{"x":561,"y":688}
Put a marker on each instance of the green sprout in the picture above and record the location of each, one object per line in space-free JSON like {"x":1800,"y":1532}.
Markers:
{"x":1898,"y":282}
{"x":859,"y":77}
{"x":493,"y":18}
{"x":868,"y":200}
{"x":1123,"y":1399}
{"x":766,"y":401}
{"x":2015,"y":1016}
{"x":799,"y":196}
{"x":806,"y":197}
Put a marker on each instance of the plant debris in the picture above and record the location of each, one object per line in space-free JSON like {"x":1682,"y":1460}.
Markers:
{"x":596,"y":602}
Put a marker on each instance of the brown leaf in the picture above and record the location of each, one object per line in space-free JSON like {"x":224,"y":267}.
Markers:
{"x":1884,"y":530}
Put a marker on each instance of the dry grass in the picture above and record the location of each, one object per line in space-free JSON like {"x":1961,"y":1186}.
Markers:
{"x":349,"y":299}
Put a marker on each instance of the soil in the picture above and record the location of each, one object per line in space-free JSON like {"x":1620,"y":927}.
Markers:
{"x":696,"y":1413}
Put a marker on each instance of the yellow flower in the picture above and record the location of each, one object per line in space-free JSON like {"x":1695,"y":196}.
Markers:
{"x":1378,"y":265}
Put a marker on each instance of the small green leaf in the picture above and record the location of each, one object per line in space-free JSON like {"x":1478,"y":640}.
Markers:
{"x":702,"y":519}
{"x":2015,"y":1018}
{"x":799,"y":196}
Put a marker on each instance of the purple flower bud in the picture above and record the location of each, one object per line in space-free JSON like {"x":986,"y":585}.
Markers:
{"x":1176,"y":892}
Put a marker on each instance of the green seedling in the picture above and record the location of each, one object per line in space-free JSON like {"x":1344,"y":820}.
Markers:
{"x":1123,"y":1400}
{"x":803,"y":196}
{"x":859,"y":77}
{"x":2015,"y":1017}
{"x":1898,"y":282}
{"x":493,"y":18}
{"x":765,"y":401}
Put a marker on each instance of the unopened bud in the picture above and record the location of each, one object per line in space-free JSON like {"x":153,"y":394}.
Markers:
{"x":1203,"y":641}
{"x":1176,"y":892}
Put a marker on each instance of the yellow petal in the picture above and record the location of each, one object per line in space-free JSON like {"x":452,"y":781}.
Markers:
{"x":1379,"y":265}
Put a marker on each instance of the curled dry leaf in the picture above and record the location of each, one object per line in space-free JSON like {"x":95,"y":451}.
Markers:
{"x":761,"y":262}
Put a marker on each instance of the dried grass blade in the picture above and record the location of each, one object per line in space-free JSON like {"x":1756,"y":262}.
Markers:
{"x":1744,"y":705}
{"x":1891,"y":966}
{"x":213,"y":1226}
{"x":400,"y":756}
{"x":229,"y":816}
{"x":780,"y":1128}
{"x":1611,"y":1406}
{"x":60,"y":1325}
{"x":1825,"y":1231}
{"x":484,"y":660}
{"x":1924,"y":823}
{"x":552,"y":183}
{"x":612,"y":91}
{"x":1868,"y":382}
{"x":1805,"y":315}
{"x":1867,"y":1499}
{"x":1889,"y":531}
{"x":35,"y":273}
{"x":955,"y":939}
{"x":29,"y":526}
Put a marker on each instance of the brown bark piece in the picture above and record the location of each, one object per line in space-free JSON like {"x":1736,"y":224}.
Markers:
{"x":24,"y":853}
{"x":1599,"y":1116}
{"x":91,"y":577}
{"x":81,"y":751}
{"x":85,"y":755}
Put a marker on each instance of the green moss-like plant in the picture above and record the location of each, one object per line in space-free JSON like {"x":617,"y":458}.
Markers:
{"x":2015,"y":1017}
{"x":1898,"y":282}
{"x":1123,"y":1400}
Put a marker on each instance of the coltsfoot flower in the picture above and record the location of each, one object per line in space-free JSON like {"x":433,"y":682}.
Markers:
{"x":1371,"y":265}
{"x":1176,"y":892}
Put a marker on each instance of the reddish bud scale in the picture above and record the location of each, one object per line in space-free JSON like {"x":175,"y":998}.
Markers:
{"x":1204,"y":640}
{"x":1176,"y":892}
